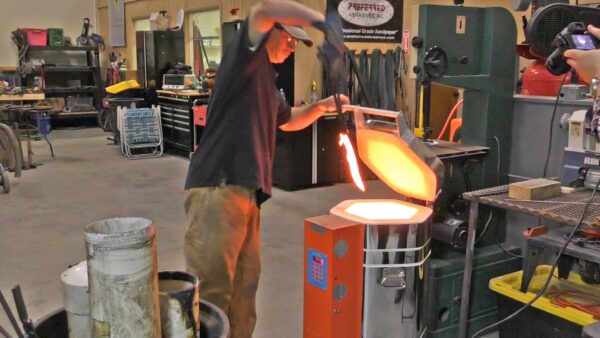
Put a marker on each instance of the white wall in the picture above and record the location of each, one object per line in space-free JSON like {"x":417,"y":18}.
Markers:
{"x":65,"y":14}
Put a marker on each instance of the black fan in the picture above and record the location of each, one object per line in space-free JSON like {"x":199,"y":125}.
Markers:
{"x":548,"y":21}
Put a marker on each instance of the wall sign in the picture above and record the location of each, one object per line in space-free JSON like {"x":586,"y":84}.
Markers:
{"x":370,"y":20}
{"x":116,"y":22}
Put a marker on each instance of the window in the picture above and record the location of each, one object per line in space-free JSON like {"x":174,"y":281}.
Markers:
{"x":205,"y":36}
{"x":141,"y":25}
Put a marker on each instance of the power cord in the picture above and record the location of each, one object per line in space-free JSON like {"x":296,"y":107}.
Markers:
{"x":539,"y":220}
{"x":503,"y":248}
{"x":552,"y":126}
{"x":498,"y":162}
{"x":486,"y":226}
{"x":550,"y":274}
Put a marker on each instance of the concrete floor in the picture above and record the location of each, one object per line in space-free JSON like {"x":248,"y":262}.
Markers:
{"x":43,"y":217}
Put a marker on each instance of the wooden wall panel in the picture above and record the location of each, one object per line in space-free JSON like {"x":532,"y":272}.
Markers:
{"x":307,"y":67}
{"x":139,"y":9}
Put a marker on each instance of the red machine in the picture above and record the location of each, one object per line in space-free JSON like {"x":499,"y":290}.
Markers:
{"x":366,"y":263}
{"x":537,"y":80}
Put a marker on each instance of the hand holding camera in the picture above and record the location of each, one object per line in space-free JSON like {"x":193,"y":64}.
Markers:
{"x":578,"y":48}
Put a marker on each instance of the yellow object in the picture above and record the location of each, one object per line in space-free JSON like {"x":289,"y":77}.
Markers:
{"x":123,"y":86}
{"x":418,"y":131}
{"x":509,"y":286}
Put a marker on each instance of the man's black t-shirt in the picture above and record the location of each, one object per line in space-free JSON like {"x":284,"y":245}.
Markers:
{"x":238,"y":143}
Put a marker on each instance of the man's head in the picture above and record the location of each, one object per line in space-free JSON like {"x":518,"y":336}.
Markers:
{"x":283,"y":40}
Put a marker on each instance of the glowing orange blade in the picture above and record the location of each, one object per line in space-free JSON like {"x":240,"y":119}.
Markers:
{"x":351,"y":158}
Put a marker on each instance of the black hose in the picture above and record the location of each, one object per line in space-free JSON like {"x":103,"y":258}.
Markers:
{"x":14,"y":144}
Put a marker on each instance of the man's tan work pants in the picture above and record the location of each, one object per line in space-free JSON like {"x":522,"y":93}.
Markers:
{"x":222,"y":246}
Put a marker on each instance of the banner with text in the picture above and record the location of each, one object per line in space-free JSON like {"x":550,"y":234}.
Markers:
{"x":370,"y":20}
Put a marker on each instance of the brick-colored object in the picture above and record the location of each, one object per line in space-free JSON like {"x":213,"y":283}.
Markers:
{"x":333,"y":277}
{"x":536,"y":189}
{"x":535,"y":231}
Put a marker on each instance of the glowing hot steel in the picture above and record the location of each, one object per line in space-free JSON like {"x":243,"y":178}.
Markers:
{"x":351,"y":158}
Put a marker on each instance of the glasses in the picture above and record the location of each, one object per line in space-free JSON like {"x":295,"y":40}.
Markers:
{"x":291,"y":42}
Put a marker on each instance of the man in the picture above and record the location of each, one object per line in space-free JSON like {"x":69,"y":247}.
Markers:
{"x":230,"y":173}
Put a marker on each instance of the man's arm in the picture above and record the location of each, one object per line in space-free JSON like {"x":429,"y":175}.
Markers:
{"x":304,"y":116}
{"x":264,"y":14}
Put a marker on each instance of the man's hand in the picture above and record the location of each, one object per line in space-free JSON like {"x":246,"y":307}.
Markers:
{"x":328,"y":105}
{"x":585,"y":62}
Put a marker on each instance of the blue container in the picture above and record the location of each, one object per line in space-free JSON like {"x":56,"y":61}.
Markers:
{"x":42,"y":121}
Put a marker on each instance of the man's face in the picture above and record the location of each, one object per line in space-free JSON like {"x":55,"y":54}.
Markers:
{"x":280,"y":45}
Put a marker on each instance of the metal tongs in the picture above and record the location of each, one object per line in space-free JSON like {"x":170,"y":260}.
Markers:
{"x":23,"y":316}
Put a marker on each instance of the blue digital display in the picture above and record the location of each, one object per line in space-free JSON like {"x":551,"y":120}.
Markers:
{"x":317,"y":269}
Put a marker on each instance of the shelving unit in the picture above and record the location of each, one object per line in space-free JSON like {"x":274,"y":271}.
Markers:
{"x":56,"y":76}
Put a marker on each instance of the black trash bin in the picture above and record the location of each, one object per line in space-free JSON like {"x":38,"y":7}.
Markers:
{"x":213,"y":323}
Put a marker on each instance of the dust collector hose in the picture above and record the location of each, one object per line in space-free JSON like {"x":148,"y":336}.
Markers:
{"x":15,"y":146}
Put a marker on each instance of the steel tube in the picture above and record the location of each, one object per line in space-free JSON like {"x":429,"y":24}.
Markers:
{"x":372,"y":111}
{"x":466,"y":287}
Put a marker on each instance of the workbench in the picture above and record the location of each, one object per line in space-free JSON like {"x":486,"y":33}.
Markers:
{"x":565,"y":209}
{"x":24,"y":97}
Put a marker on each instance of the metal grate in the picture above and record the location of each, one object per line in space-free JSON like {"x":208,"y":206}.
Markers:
{"x":565,"y":208}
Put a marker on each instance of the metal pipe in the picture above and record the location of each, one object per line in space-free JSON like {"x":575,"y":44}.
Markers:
{"x":5,"y":333}
{"x":22,"y":311}
{"x":20,"y":154}
{"x":466,"y":287}
{"x":371,"y":111}
{"x":11,"y":316}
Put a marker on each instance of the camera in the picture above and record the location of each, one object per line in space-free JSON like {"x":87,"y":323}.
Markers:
{"x":574,"y":36}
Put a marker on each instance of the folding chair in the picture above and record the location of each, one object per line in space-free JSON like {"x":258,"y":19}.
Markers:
{"x":141,"y":132}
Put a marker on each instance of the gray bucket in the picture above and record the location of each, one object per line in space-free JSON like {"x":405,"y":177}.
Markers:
{"x":213,"y":323}
{"x":179,"y":304}
{"x":122,"y":277}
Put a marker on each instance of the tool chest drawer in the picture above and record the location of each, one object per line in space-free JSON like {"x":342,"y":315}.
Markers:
{"x":179,"y":132}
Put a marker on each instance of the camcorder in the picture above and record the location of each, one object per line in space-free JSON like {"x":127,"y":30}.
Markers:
{"x":574,"y":36}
